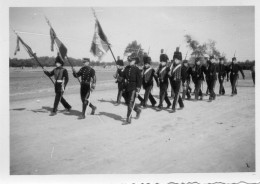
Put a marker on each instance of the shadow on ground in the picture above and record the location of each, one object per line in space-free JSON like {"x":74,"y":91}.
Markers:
{"x":111,"y":115}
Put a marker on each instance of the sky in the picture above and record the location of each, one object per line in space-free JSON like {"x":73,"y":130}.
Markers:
{"x":233,"y":29}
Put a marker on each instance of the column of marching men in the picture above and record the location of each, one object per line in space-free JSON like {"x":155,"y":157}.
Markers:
{"x":176,"y":75}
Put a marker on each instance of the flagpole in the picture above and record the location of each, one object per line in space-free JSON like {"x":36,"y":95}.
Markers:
{"x":48,"y":22}
{"x":34,"y":56}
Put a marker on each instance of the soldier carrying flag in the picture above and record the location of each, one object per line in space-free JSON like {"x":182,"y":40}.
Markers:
{"x":61,"y":80}
{"x":132,"y":77}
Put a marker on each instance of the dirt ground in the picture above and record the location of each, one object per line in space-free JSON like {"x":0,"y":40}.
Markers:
{"x":205,"y":136}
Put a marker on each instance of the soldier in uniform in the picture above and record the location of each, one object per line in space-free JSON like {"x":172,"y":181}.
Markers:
{"x":119,"y":79}
{"x":61,"y":80}
{"x":132,"y":77}
{"x":222,"y":72}
{"x":148,"y":74}
{"x":198,"y":77}
{"x":163,"y":83}
{"x":176,"y":79}
{"x":186,"y":72}
{"x":233,"y":69}
{"x":253,"y":73}
{"x":88,"y":83}
{"x":211,"y":75}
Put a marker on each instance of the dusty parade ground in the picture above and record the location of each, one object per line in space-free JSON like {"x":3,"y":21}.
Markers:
{"x":205,"y":136}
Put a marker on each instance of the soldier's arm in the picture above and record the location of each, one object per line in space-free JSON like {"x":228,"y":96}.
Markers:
{"x":139,"y":80}
{"x":66,"y":78}
{"x":49,"y":73}
{"x":155,"y":77}
{"x":94,"y":79}
{"x":77,"y":74}
{"x":241,"y":71}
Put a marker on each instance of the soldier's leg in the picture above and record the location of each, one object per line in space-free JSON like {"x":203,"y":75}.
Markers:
{"x":184,"y":91}
{"x":140,"y":99}
{"x":180,"y":101}
{"x":176,"y":94}
{"x":57,"y":99}
{"x":119,"y":95}
{"x":83,"y":95}
{"x":161,"y":96}
{"x":146,"y":96}
{"x":220,"y":86}
{"x":167,"y":100}
{"x":196,"y":90}
{"x":151,"y":98}
{"x":65,"y":103}
{"x":56,"y":102}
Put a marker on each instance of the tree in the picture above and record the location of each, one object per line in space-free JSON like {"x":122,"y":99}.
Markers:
{"x":197,"y":49}
{"x":134,"y":47}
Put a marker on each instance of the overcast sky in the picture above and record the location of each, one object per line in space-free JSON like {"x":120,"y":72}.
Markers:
{"x":155,"y":27}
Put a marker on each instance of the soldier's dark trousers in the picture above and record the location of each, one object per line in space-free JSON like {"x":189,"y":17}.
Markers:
{"x":208,"y":83}
{"x":59,"y":98}
{"x":186,"y":90}
{"x":84,"y":94}
{"x":211,"y":89}
{"x":198,"y":91}
{"x":176,"y":86}
{"x":233,"y":81}
{"x":221,"y":86}
{"x":130,"y":98}
{"x":164,"y":95}
{"x":120,"y":92}
{"x":149,"y":95}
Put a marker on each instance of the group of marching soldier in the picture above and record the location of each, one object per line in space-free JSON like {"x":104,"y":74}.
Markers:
{"x":131,"y":78}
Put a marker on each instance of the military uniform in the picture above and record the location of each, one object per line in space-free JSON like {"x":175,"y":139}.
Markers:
{"x":61,"y":80}
{"x":222,"y":72}
{"x":119,"y":80}
{"x":186,"y":72}
{"x":148,"y":74}
{"x":198,"y":78}
{"x":132,"y":77}
{"x":233,"y":69}
{"x":211,"y":75}
{"x":88,"y":82}
{"x":163,"y":84}
{"x":176,"y":79}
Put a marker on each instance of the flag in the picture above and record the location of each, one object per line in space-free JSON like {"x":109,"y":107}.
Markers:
{"x":27,"y":48}
{"x":54,"y":39}
{"x":100,"y":44}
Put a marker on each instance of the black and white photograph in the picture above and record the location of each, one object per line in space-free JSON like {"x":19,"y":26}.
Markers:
{"x":141,"y":89}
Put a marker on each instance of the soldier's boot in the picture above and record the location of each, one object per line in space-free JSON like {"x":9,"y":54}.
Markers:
{"x":53,"y":113}
{"x":84,"y":107}
{"x":128,"y":119}
{"x":93,"y":109}
{"x":138,"y":112}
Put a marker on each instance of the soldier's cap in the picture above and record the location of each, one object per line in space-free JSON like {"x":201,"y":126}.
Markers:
{"x":211,"y":57}
{"x":147,"y":60}
{"x":234,"y":58}
{"x":59,"y":60}
{"x":177,"y":55}
{"x":86,"y":60}
{"x":120,"y":62}
{"x":221,"y":58}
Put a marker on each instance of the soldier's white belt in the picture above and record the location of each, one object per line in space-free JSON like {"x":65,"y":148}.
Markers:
{"x":59,"y":81}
